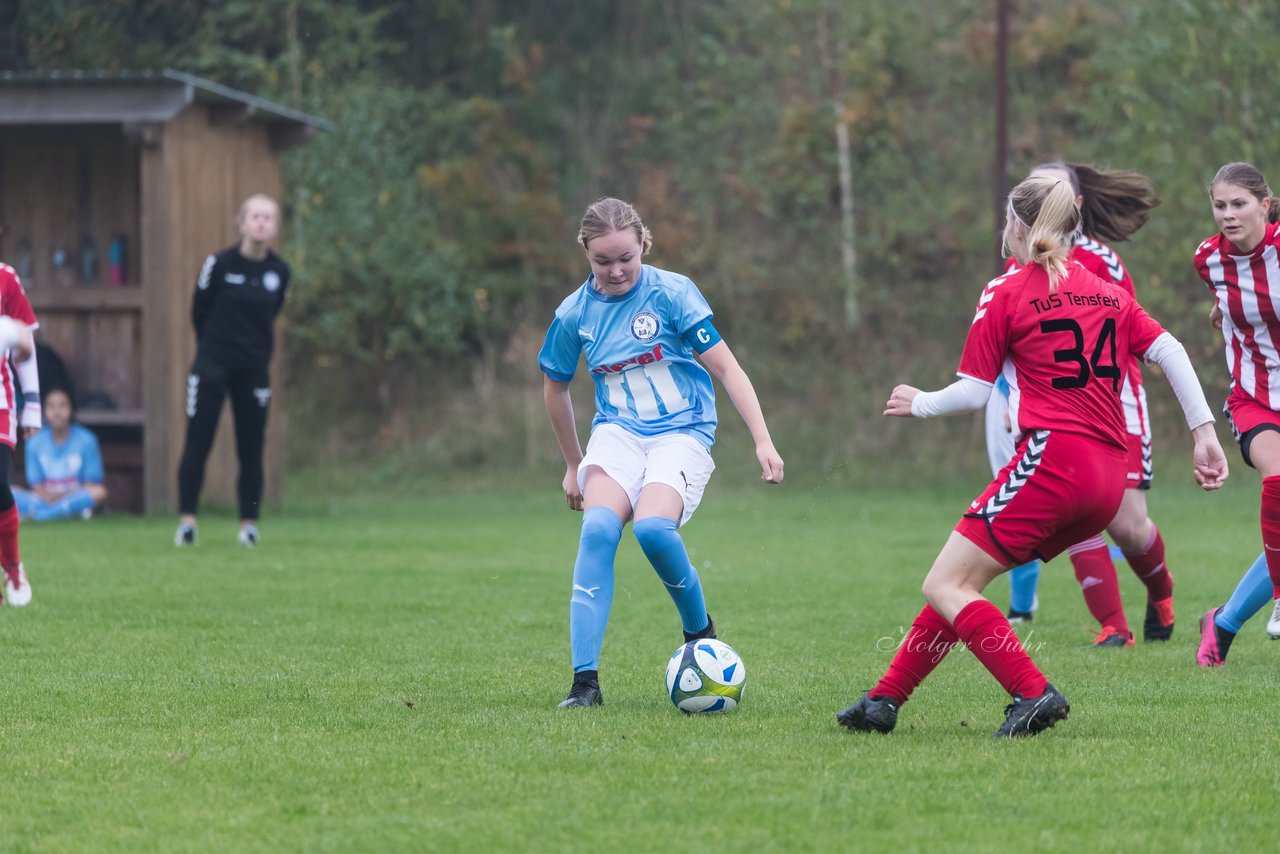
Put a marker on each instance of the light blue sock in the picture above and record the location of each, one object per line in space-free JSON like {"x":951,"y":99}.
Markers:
{"x":665,"y":550}
{"x":69,"y":505}
{"x":1023,"y":581}
{"x":593,"y":586}
{"x":1252,"y":593}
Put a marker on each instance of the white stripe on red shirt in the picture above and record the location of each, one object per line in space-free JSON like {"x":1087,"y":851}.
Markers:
{"x":13,"y":302}
{"x":1246,"y":287}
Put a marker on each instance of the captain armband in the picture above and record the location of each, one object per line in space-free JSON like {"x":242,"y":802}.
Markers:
{"x":703,"y":336}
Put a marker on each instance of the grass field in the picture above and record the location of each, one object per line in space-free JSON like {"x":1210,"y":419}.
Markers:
{"x":382,"y":674}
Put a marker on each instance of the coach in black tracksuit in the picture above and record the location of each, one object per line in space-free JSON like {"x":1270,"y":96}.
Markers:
{"x":238,"y":295}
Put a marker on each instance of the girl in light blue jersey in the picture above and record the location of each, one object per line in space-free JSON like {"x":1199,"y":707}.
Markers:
{"x":63,"y":467}
{"x":646,"y":335}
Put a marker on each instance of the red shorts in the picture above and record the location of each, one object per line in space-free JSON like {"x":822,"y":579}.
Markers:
{"x":1138,"y":470}
{"x":7,"y":434}
{"x":1248,"y":419}
{"x":1059,"y":488}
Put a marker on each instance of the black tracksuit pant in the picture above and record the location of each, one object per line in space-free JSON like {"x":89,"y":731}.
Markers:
{"x":250,"y":392}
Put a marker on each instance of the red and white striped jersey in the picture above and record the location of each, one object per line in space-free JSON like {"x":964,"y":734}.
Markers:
{"x":13,"y":302}
{"x":1064,"y":354}
{"x":1103,"y":261}
{"x":1247,"y":288}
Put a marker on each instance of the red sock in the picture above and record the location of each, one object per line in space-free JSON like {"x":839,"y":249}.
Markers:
{"x":1148,"y":565}
{"x":9,"y":537}
{"x":991,"y":639}
{"x":1271,"y":529}
{"x":1097,"y":576}
{"x":926,"y":644}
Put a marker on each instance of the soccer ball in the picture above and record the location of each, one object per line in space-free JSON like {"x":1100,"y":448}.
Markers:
{"x":705,"y":676}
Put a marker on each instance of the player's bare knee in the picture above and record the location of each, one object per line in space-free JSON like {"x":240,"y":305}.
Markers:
{"x":936,"y":587}
{"x":1131,"y":535}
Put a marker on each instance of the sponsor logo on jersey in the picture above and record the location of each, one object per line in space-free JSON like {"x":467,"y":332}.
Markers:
{"x":648,"y":357}
{"x":271,"y":281}
{"x":234,"y":278}
{"x":644,"y":326}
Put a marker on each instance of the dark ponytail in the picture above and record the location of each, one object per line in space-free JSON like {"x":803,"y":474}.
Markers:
{"x":1116,"y":203}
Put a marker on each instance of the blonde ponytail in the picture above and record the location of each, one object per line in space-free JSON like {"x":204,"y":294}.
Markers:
{"x":1046,"y":210}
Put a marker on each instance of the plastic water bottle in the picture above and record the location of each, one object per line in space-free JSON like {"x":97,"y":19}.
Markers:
{"x":116,"y":255}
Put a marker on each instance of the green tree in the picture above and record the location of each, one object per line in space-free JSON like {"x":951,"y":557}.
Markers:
{"x":1184,"y":94}
{"x":419,"y":226}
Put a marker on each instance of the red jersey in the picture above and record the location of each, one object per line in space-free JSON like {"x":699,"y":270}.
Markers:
{"x":1064,"y":354}
{"x":1247,"y":288}
{"x":13,"y":302}
{"x":1101,"y":260}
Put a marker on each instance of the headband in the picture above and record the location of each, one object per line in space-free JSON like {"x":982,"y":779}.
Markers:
{"x":1014,"y":214}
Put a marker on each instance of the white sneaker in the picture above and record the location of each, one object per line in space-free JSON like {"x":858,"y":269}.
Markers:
{"x":185,"y":535}
{"x":1273,"y":625}
{"x":248,"y":536}
{"x":17,"y":590}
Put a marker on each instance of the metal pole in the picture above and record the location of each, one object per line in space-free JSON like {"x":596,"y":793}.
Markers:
{"x":1000,"y":177}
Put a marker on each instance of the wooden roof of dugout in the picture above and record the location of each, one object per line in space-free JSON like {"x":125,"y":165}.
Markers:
{"x":140,"y":98}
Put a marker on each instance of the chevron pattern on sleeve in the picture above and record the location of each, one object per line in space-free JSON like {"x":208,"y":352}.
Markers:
{"x":1108,"y":256}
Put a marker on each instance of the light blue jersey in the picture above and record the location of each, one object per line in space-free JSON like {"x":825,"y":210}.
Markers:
{"x":64,"y":467}
{"x":639,"y":349}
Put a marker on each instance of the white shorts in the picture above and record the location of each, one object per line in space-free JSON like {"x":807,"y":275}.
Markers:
{"x":675,"y":459}
{"x":1001,"y":442}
